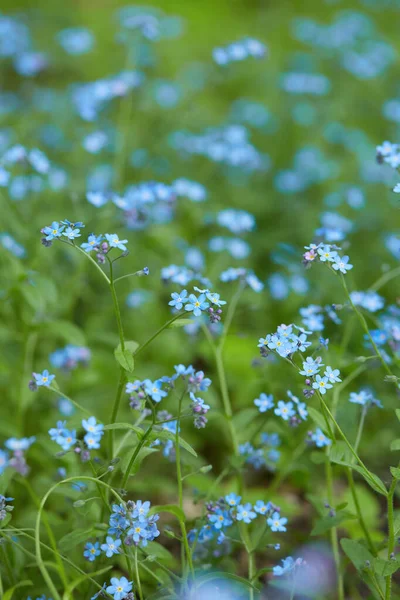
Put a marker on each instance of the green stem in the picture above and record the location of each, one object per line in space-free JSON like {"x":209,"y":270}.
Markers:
{"x":9,"y":570}
{"x":114,"y":412}
{"x":364,"y":325}
{"x":157,"y":333}
{"x":357,"y":505}
{"x":180,"y":491}
{"x":116,"y":307}
{"x":334,"y":533}
{"x":78,"y":406}
{"x":138,"y":584}
{"x":388,"y":593}
{"x":92,"y":261}
{"x":139,"y":446}
{"x":244,"y":534}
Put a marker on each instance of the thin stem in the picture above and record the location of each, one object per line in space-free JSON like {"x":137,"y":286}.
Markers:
{"x":334,"y":534}
{"x":114,"y":412}
{"x":244,"y":534}
{"x":116,"y":306}
{"x":359,"y":512}
{"x":138,"y":584}
{"x":157,"y":333}
{"x":388,"y":593}
{"x":78,"y":406}
{"x":360,"y":428}
{"x":364,"y":325}
{"x":230,"y":314}
{"x":180,"y":490}
{"x":92,"y":261}
{"x":139,"y":446}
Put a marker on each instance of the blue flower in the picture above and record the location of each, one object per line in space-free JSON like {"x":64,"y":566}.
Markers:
{"x":276,"y":522}
{"x":66,"y":439}
{"x":91,"y":426}
{"x":71,"y":233}
{"x":44,"y":378}
{"x":342,"y":264}
{"x":54,"y":231}
{"x":264,"y":402}
{"x":92,"y":441}
{"x":111,"y":546}
{"x":140,"y":511}
{"x":220,"y":518}
{"x":232,"y":499}
{"x":332,"y":375}
{"x":91,"y":551}
{"x":327,"y":254}
{"x":115,"y":242}
{"x":245,"y":513}
{"x":196,"y":304}
{"x":154,"y":390}
{"x":178,"y":300}
{"x":320,"y":439}
{"x":214,"y":298}
{"x":138,"y":531}
{"x":287,"y":566}
{"x":55,"y":432}
{"x":310,"y":367}
{"x":119,"y":588}
{"x":321,"y":384}
{"x":92,"y":243}
{"x":261,"y":508}
{"x":285,"y":410}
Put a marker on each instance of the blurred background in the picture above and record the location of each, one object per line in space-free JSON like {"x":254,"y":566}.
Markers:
{"x":119,"y":96}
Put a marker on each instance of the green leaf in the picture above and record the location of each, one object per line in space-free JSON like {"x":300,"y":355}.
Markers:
{"x":143,"y":453}
{"x":325,"y":524}
{"x":124,"y":358}
{"x":9,"y":593}
{"x":357,"y":553}
{"x":373,"y":480}
{"x":164,"y":434}
{"x":74,"y":538}
{"x":395,"y":445}
{"x":318,"y":458}
{"x":139,"y":432}
{"x":398,"y":413}
{"x":132,"y":346}
{"x":180,"y":323}
{"x":385,"y":567}
{"x":169,"y":508}
{"x":161,"y":553}
{"x":395,"y":472}
{"x":317,"y":418}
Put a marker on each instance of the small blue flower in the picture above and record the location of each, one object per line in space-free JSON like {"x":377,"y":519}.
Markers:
{"x":261,"y":508}
{"x":342,"y":264}
{"x":119,"y":588}
{"x":220,"y":518}
{"x":320,"y":439}
{"x":43,"y":379}
{"x":154,"y":390}
{"x":54,"y":231}
{"x":264,"y":402}
{"x":91,"y":551}
{"x":3,"y":461}
{"x":71,"y":233}
{"x":276,"y":522}
{"x":196,"y":305}
{"x":310,"y":367}
{"x":178,"y":300}
{"x":115,"y":242}
{"x":326,"y":254}
{"x":91,"y":426}
{"x":232,"y":499}
{"x":93,"y":242}
{"x":245,"y":513}
{"x":287,"y":566}
{"x":332,"y":375}
{"x":140,"y":511}
{"x":111,"y":546}
{"x":92,"y":441}
{"x":321,"y":384}
{"x":285,"y":410}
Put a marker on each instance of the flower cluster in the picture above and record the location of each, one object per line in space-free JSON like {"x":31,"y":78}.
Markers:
{"x":311,"y":370}
{"x":227,"y":511}
{"x":285,"y":341}
{"x":130,"y":524}
{"x":266,"y":455}
{"x":18,"y":446}
{"x":67,"y":438}
{"x":237,"y":51}
{"x":326,"y":253}
{"x":199,"y":304}
{"x":245,"y":275}
{"x":69,"y":357}
{"x":288,"y":566}
{"x":365,"y":397}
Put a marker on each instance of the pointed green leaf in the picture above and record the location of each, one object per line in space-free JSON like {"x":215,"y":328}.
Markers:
{"x":395,"y":445}
{"x":169,"y":508}
{"x":9,"y":593}
{"x":317,"y":418}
